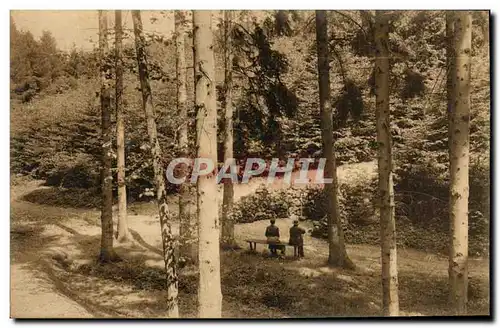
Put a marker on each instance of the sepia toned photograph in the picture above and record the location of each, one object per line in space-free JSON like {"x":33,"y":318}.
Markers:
{"x":250,"y":164}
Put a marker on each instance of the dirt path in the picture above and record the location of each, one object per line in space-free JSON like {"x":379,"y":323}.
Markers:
{"x":44,"y":238}
{"x":33,"y":296}
{"x":33,"y":293}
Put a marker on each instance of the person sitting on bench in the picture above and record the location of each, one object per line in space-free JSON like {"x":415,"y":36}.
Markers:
{"x":296,"y":239}
{"x":273,"y":236}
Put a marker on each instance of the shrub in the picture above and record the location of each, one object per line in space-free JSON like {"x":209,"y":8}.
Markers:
{"x":61,"y":85}
{"x":421,"y":193}
{"x":61,"y":197}
{"x":356,"y":202}
{"x":315,"y":205}
{"x":69,"y":171}
{"x":57,"y":137}
{"x":263,"y":205}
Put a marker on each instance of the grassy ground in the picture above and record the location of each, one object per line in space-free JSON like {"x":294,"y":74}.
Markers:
{"x":59,"y":247}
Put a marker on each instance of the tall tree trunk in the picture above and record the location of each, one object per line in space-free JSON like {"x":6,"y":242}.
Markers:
{"x":167,"y":237}
{"x":450,"y":67}
{"x":107,"y":253}
{"x":123,"y":233}
{"x":228,"y":195}
{"x":459,"y":161}
{"x":185,"y":224}
{"x":337,"y":252}
{"x":209,"y":293}
{"x":386,"y":188}
{"x":486,"y":30}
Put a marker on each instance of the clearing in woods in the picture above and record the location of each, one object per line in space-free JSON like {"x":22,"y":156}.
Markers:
{"x":54,"y":272}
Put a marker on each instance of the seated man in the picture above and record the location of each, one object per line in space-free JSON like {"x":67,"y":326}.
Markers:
{"x":296,"y":239}
{"x":273,"y":236}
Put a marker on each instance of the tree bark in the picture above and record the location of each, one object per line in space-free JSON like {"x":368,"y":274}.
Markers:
{"x":459,"y":161}
{"x":450,"y":68}
{"x":228,"y":195}
{"x":167,"y":237}
{"x":390,"y":296}
{"x":486,"y":30}
{"x":185,"y":224}
{"x":209,"y":293}
{"x":337,"y":252}
{"x":107,"y":253}
{"x":123,"y":233}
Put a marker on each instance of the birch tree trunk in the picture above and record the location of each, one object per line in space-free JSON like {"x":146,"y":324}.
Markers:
{"x":167,"y":237}
{"x":107,"y":253}
{"x":228,"y":195}
{"x":337,"y":252}
{"x":209,"y":293}
{"x":390,"y":298}
{"x":185,"y":224}
{"x":450,"y":68}
{"x":123,"y":233}
{"x":459,"y":161}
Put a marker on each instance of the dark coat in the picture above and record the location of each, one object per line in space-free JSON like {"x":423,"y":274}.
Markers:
{"x":296,"y":236}
{"x":272,"y":231}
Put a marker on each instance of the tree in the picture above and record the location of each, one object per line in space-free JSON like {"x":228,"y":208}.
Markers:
{"x":228,"y":194}
{"x":185,"y":227}
{"x":22,"y":49}
{"x":459,"y":160}
{"x":107,"y":252}
{"x":75,"y":63}
{"x":24,"y":63}
{"x":449,"y":63}
{"x":209,"y":293}
{"x":49,"y":64}
{"x":167,"y":236}
{"x":390,"y":297}
{"x":123,"y":233}
{"x":259,"y":72}
{"x":337,"y":254}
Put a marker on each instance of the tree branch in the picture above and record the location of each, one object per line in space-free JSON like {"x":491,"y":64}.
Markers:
{"x":353,"y":21}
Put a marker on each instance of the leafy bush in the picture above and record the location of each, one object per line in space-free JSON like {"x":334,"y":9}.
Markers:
{"x":62,"y":197}
{"x":422,"y":220}
{"x":263,"y":205}
{"x":316,"y":205}
{"x":62,"y":85}
{"x":355,"y":202}
{"x":69,"y":171}
{"x":58,"y":137}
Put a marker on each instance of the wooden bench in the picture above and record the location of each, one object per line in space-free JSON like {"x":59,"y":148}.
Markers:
{"x":253,"y":245}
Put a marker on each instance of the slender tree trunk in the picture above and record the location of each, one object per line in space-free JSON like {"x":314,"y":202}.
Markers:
{"x":228,"y":195}
{"x":185,"y":224}
{"x":459,"y":162}
{"x":449,"y":67}
{"x":107,"y":253}
{"x":209,"y":293}
{"x":123,"y":234}
{"x":167,"y":236}
{"x":386,"y":188}
{"x":337,"y":252}
{"x":486,"y":30}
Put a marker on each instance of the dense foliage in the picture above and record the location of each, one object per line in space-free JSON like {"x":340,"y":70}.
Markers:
{"x":55,"y":118}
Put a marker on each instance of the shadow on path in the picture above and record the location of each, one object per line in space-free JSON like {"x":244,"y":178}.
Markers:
{"x":137,"y":237}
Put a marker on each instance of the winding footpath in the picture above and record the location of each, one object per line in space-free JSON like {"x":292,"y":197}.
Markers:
{"x":32,"y":293}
